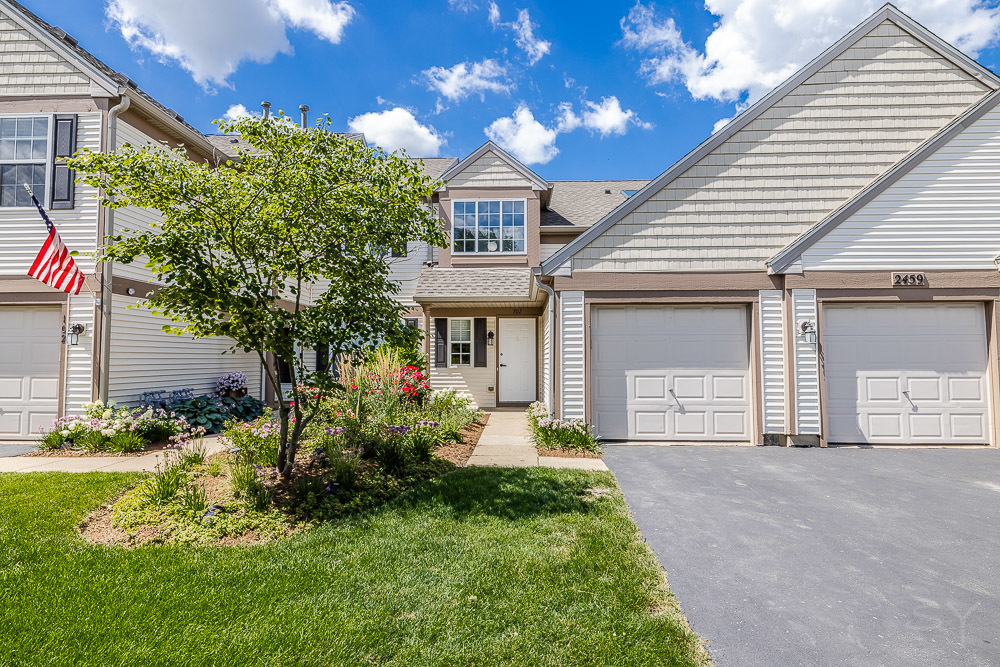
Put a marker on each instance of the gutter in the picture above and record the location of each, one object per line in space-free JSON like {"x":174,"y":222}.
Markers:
{"x":108,"y":267}
{"x":536,"y":273}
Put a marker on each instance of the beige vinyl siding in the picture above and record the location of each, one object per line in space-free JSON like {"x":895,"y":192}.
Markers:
{"x":944,"y":214}
{"x":772,"y":358}
{"x":144,"y":357}
{"x":133,"y":217}
{"x":545,"y":358}
{"x":489,"y":171}
{"x":406,"y":270}
{"x":801,"y":158}
{"x":30,"y":68}
{"x":22,"y":231}
{"x":468,"y":380}
{"x":546,"y":250}
{"x":79,"y":386}
{"x":806,"y":365}
{"x":572,"y":367}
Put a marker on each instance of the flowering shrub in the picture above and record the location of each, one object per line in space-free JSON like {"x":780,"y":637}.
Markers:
{"x":552,"y":433}
{"x":101,"y":427}
{"x":235,"y":382}
{"x":256,"y":441}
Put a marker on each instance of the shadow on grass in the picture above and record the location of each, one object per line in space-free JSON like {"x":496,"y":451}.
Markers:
{"x":506,"y":493}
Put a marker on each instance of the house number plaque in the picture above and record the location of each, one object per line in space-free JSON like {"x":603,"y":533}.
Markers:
{"x":901,"y":279}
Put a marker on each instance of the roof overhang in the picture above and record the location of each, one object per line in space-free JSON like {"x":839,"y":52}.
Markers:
{"x":887,"y":12}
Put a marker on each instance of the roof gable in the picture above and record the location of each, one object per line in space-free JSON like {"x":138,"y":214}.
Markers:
{"x":793,"y":156}
{"x":491,"y":166}
{"x":957,"y":173}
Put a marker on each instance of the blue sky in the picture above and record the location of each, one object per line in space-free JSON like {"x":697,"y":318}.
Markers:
{"x":579,"y":90}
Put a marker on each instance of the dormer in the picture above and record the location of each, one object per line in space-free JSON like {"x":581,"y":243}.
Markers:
{"x":491,"y":206}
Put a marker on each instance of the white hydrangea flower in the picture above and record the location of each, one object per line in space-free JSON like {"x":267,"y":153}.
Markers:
{"x":109,"y":432}
{"x":64,"y":433}
{"x":107,"y":414}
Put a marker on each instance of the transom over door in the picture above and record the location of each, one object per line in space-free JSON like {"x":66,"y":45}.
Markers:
{"x":906,"y":374}
{"x":671,"y":373}
{"x":30,"y":350}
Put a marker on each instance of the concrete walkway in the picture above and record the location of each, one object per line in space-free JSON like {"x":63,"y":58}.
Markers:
{"x":144,"y":463}
{"x":506,"y":443}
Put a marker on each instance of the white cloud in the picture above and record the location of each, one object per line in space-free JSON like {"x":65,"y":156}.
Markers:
{"x":534,"y":143}
{"x":397,"y":128}
{"x":238,"y":111}
{"x":757,"y":44}
{"x":524,"y":137}
{"x":462,"y":5}
{"x":466,"y":78}
{"x":534,"y":48}
{"x":211,"y":39}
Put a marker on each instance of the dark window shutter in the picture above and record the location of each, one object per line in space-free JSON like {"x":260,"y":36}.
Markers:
{"x":63,"y":186}
{"x":322,"y":358}
{"x":412,"y":322}
{"x":441,"y":342}
{"x":479,"y":337}
{"x":400,"y":252}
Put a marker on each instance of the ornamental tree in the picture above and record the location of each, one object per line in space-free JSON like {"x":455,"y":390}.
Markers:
{"x":285,"y":249}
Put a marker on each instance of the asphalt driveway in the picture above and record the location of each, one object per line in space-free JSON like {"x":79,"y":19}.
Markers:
{"x":826,"y":557}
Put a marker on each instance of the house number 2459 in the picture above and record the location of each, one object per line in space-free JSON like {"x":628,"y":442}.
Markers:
{"x":909,"y":280}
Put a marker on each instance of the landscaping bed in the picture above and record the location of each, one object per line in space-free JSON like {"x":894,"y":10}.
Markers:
{"x":567,"y":453}
{"x":382,"y":433}
{"x":564,"y":438}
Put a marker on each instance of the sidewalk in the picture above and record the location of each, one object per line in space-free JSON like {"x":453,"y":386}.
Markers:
{"x":506,"y":443}
{"x":144,"y":463}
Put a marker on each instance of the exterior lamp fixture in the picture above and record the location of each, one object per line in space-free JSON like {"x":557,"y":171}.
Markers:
{"x":73,"y":333}
{"x":489,"y":338}
{"x":807,"y":330}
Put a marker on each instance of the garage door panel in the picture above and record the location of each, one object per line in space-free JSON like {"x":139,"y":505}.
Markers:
{"x":30,"y":353}
{"x":936,"y":353}
{"x":702,"y":353}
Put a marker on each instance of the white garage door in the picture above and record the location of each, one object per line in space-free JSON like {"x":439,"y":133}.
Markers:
{"x":906,"y":374}
{"x":30,"y":347}
{"x":671,"y":373}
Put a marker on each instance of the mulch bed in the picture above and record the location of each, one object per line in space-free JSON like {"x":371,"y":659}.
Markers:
{"x":459,"y":453}
{"x":74,"y":453}
{"x":568,"y":453}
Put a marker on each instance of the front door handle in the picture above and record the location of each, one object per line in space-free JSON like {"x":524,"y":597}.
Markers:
{"x":503,"y":365}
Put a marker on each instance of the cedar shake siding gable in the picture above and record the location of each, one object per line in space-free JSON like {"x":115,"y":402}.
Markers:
{"x":807,"y":148}
{"x":28,"y":67}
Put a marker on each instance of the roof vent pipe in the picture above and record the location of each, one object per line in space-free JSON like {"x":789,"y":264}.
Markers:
{"x":267,"y":109}
{"x":304,"y":108}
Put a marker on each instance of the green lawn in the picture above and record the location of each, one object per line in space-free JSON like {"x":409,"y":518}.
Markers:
{"x":480,"y":567}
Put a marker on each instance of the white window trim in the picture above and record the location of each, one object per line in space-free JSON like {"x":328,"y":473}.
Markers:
{"x":46,"y":196}
{"x":470,"y":342}
{"x":477,"y":253}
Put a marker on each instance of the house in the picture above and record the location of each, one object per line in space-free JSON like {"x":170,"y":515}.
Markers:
{"x":58,"y":351}
{"x":820,"y":270}
{"x":823,"y":269}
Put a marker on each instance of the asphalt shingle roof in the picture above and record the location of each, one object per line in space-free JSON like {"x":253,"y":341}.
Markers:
{"x":229,"y":143}
{"x":583,"y":203}
{"x":435,"y":166}
{"x":500,"y":284}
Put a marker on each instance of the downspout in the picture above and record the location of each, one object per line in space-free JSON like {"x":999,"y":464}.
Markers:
{"x":109,"y":231}
{"x":536,"y":273}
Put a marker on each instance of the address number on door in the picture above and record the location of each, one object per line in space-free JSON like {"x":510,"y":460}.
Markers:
{"x":909,"y":280}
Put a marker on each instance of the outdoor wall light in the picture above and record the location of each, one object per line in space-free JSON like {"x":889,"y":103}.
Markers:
{"x":807,"y":329}
{"x":489,"y":338}
{"x":73,"y":333}
{"x":130,"y":291}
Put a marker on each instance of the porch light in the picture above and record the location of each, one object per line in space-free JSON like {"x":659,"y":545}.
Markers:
{"x":807,"y":330}
{"x":489,"y":338}
{"x":73,"y":334}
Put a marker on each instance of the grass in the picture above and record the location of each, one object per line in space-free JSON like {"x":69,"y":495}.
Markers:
{"x":481,"y":566}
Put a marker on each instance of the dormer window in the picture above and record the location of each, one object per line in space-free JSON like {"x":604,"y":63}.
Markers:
{"x":488,"y":226}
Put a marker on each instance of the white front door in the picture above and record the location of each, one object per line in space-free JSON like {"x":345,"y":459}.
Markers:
{"x":517,"y":358}
{"x":30,"y":351}
{"x":671,"y":373}
{"x":906,"y":373}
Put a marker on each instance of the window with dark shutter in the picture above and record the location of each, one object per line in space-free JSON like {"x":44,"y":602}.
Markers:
{"x":480,"y":342}
{"x":441,"y":342}
{"x":64,"y":140}
{"x":412,"y":322}
{"x":322,"y":358}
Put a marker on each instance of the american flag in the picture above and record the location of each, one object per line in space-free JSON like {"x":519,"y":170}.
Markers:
{"x":54,"y":266}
